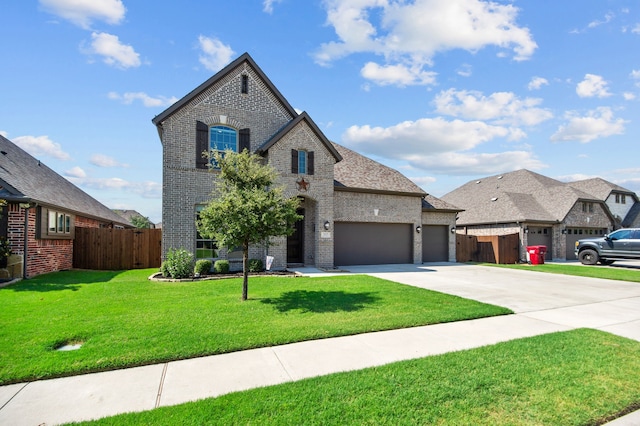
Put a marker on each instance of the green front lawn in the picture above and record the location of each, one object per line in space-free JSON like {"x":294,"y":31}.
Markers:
{"x":580,"y":377}
{"x":610,"y":273}
{"x":123,"y":320}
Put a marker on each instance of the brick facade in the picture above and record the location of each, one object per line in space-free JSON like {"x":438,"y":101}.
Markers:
{"x":275,"y":130}
{"x":43,"y":255}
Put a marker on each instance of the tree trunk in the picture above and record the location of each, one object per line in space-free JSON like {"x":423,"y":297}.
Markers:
{"x":245,"y":271}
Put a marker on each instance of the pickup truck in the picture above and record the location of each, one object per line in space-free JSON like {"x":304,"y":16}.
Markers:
{"x":620,"y":244}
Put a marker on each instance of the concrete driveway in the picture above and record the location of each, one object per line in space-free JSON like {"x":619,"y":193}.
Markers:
{"x":608,"y":305}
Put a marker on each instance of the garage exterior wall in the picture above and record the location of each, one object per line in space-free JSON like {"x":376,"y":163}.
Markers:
{"x":383,"y":208}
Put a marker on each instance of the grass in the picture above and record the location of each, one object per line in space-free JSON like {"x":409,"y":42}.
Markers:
{"x":580,"y":377}
{"x":123,"y":320}
{"x":611,"y":273}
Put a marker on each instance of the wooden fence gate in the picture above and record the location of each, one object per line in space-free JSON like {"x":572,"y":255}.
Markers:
{"x":502,"y":249}
{"x":117,"y":249}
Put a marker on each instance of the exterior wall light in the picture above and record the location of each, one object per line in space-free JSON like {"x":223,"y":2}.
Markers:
{"x":418,"y":229}
{"x":327,"y":225}
{"x":453,"y":229}
{"x":526,"y":230}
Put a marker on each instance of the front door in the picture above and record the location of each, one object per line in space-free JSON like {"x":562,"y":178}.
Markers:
{"x":295,"y":242}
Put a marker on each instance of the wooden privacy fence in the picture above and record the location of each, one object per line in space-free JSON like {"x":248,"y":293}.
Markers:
{"x":117,"y":249}
{"x":488,"y":248}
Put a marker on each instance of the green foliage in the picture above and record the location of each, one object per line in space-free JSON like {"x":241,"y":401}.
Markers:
{"x":140,"y":222}
{"x":247,"y":208}
{"x":255,"y":265}
{"x":579,"y":377}
{"x":203,"y":267}
{"x":5,"y":248}
{"x":125,"y":320}
{"x":221,"y":266}
{"x":177,"y":264}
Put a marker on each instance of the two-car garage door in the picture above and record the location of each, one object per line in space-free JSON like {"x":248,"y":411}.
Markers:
{"x":372,"y":243}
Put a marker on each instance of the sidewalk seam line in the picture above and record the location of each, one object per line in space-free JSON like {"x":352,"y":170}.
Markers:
{"x":281,"y":364}
{"x":160,"y":388}
{"x":14,"y":395}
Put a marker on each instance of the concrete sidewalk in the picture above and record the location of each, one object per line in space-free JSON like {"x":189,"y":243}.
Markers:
{"x":558,"y":303}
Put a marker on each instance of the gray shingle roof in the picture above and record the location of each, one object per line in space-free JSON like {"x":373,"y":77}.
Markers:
{"x":24,"y":178}
{"x":429,"y":202}
{"x":357,"y":172}
{"x":600,"y":188}
{"x":517,"y":196}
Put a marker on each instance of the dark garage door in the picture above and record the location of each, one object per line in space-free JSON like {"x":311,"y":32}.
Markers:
{"x":372,"y":243}
{"x":435,"y":243}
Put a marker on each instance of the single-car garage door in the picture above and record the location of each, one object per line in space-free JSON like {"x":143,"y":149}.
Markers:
{"x":435,"y":243}
{"x":372,"y":243}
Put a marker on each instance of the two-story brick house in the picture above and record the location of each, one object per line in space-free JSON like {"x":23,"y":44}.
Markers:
{"x":356,"y":211}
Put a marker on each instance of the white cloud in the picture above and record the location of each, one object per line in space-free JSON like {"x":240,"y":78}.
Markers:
{"x":76,"y":172}
{"x":399,"y":75}
{"x":424,"y":137}
{"x":215,"y":54}
{"x":143,"y":189}
{"x":113,"y":52}
{"x":128,"y":98}
{"x":592,"y":86}
{"x":500,"y":108}
{"x":268,"y":5}
{"x":83,"y":12}
{"x":41,"y":145}
{"x":598,"y":123}
{"x":465,"y":70}
{"x":537,"y":82}
{"x":636,"y":29}
{"x":102,"y":160}
{"x":628,"y":96}
{"x":411,"y":34}
{"x":457,"y":163}
{"x":607,"y":18}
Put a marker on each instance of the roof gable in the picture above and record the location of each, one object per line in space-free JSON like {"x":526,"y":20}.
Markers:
{"x":304,"y":117}
{"x":244,"y":58}
{"x":600,"y":188}
{"x":25,"y":179}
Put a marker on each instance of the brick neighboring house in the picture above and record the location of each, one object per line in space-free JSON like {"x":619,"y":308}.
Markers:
{"x":542,"y":210}
{"x":50,"y":206}
{"x":356,"y":211}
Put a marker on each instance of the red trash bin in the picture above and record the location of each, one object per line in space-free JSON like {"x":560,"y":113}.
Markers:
{"x":536,"y":254}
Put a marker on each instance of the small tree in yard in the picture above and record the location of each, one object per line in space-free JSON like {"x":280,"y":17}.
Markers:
{"x":246,"y":207}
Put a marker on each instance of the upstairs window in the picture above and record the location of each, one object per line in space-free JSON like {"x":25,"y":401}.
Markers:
{"x":587,"y":207}
{"x":244,"y":86}
{"x":302,"y":162}
{"x":621,"y":199}
{"x":218,"y":138}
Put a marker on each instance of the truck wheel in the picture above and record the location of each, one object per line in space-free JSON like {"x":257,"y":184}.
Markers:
{"x":607,"y":261}
{"x":588,"y":257}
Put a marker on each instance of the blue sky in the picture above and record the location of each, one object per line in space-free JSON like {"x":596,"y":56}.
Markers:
{"x":445,"y":91}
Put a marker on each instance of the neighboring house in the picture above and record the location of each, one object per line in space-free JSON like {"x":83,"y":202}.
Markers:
{"x":356,"y":211}
{"x":542,"y":210}
{"x":623,"y":204}
{"x":49,"y":207}
{"x":128,"y":215}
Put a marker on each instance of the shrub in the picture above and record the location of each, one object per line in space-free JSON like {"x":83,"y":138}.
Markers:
{"x":256,"y":265}
{"x":221,"y":266}
{"x":178,"y":264}
{"x":203,"y":267}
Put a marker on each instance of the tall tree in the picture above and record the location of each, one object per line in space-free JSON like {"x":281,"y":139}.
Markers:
{"x":246,"y":207}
